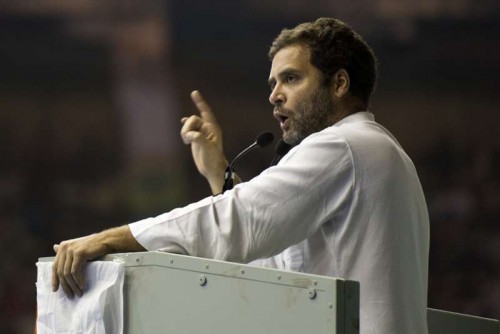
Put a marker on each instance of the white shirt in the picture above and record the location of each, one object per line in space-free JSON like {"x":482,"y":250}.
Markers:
{"x":346,"y":202}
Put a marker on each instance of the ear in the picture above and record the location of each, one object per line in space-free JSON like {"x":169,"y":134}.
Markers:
{"x":340,"y":83}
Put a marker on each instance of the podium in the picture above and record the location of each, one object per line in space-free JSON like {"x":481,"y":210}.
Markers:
{"x":169,"y":293}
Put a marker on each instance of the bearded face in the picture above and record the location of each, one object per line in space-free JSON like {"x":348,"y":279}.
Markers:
{"x":302,"y":104}
{"x":312,"y":114}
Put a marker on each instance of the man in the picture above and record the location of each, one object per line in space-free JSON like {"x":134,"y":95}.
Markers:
{"x":345,"y":201}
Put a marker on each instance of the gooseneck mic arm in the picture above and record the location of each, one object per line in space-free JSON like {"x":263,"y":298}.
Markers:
{"x":262,"y":140}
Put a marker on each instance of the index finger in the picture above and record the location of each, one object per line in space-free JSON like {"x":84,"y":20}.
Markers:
{"x":203,"y":107}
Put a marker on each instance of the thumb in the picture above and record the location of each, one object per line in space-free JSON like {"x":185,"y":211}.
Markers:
{"x":56,"y":247}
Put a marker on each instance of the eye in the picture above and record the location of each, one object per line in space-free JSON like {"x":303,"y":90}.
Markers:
{"x":291,"y":78}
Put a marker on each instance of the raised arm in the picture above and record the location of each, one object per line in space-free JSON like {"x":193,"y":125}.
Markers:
{"x":204,"y":135}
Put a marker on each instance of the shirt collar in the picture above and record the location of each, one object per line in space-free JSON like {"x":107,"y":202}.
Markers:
{"x":360,"y":116}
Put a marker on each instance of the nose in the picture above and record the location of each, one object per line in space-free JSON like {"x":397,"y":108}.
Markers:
{"x":277,"y":97}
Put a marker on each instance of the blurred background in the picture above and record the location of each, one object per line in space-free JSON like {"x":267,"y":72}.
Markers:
{"x":92,"y":92}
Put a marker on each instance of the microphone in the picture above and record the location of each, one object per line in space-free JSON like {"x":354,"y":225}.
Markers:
{"x":262,"y":140}
{"x":281,"y":149}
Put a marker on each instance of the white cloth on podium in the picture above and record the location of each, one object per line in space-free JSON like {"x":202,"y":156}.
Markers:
{"x":99,"y":310}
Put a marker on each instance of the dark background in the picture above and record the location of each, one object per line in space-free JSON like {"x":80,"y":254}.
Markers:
{"x":92,"y":92}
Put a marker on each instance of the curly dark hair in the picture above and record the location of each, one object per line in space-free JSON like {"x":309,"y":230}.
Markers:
{"x":334,"y":46}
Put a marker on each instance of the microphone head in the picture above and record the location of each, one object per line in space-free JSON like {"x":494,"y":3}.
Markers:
{"x":282,"y":148}
{"x":264,"y":139}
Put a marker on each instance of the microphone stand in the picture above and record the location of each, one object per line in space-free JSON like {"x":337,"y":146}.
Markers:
{"x":262,"y":140}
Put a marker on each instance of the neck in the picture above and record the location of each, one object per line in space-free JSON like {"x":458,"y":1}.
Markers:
{"x":346,"y":107}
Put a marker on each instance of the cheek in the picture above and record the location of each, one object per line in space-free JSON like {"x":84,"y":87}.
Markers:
{"x":295,"y":101}
{"x":302,"y":93}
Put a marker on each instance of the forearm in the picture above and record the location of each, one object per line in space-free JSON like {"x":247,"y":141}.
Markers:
{"x":119,"y":239}
{"x":72,"y":254}
{"x":216,"y":178}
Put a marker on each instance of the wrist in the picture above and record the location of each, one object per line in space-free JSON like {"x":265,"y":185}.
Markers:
{"x":216,"y":177}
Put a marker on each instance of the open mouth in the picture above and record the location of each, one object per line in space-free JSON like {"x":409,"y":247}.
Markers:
{"x":284,"y":123}
{"x":281,"y":118}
